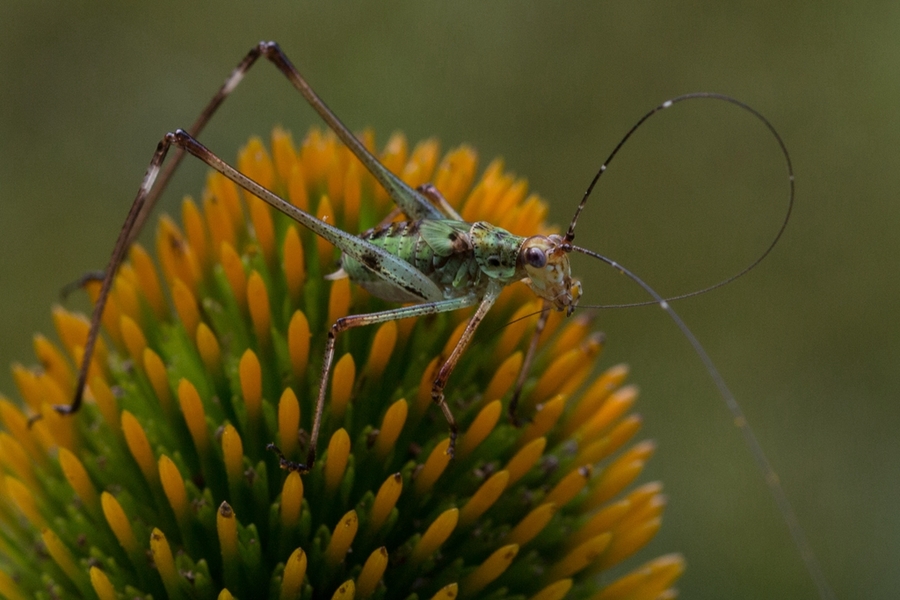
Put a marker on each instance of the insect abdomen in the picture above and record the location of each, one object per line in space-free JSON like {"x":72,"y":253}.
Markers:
{"x":440,"y":250}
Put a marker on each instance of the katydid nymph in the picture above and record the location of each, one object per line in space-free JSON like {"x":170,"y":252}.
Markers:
{"x":434,"y":261}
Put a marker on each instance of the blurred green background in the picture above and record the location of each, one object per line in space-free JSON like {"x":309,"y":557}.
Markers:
{"x":808,"y":341}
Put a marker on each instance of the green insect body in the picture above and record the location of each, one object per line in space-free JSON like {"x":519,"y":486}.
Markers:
{"x":462,"y":259}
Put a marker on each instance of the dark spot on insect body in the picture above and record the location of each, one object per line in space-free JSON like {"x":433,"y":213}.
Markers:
{"x":371,"y":260}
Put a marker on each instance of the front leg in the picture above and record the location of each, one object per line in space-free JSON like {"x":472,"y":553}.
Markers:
{"x":437,"y":388}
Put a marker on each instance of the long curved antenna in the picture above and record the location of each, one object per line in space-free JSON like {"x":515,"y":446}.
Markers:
{"x":570,"y":233}
{"x":740,"y":421}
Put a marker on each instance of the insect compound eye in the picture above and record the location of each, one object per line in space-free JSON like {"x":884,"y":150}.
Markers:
{"x":535,"y":257}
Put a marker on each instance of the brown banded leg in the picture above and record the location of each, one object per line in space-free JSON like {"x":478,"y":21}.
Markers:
{"x":437,"y":388}
{"x":118,"y":254}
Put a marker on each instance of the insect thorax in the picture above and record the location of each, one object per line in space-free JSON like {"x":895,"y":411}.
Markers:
{"x":459,"y":257}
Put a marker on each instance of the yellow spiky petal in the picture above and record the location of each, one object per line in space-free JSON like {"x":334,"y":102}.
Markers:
{"x":504,"y":377}
{"x":489,"y":570}
{"x":391,"y":426}
{"x":325,"y":212}
{"x":61,"y":555}
{"x":479,"y":430}
{"x":192,"y":409}
{"x":294,"y":263}
{"x":173,"y":486}
{"x":298,"y":344}
{"x":448,"y":592}
{"x":382,"y":348}
{"x":159,"y":380}
{"x":250,"y":373}
{"x":436,"y":534}
{"x":385,"y":500}
{"x":233,"y":453}
{"x":118,"y":522}
{"x":234,"y":272}
{"x":336,"y":460}
{"x":371,"y":573}
{"x":185,"y":305}
{"x":341,"y":538}
{"x":210,"y":351}
{"x":78,"y":478}
{"x":570,"y":485}
{"x":226,"y":527}
{"x":165,"y":563}
{"x":260,"y":313}
{"x":294,"y":572}
{"x":435,"y":464}
{"x":482,"y":499}
{"x":342,"y":380}
{"x":339,"y":300}
{"x":580,"y":557}
{"x":533,"y":523}
{"x":291,"y":500}
{"x":346,"y":591}
{"x":525,"y":459}
{"x":139,"y":445}
{"x":288,"y":422}
{"x":555,"y":591}
{"x":102,"y":585}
